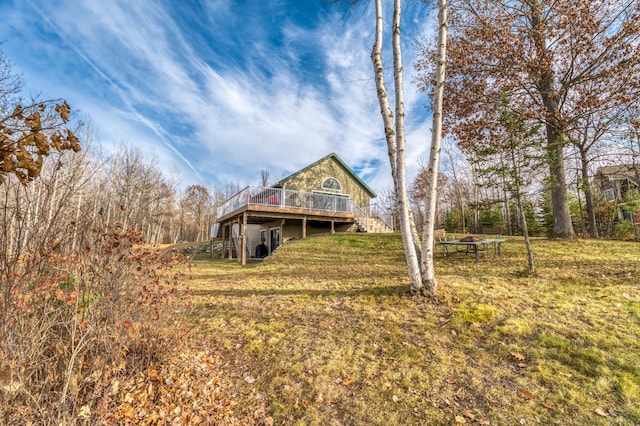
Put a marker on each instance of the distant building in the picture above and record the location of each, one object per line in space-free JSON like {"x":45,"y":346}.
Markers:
{"x":614,"y":182}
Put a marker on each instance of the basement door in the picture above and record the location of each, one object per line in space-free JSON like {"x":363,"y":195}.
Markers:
{"x":274,"y":241}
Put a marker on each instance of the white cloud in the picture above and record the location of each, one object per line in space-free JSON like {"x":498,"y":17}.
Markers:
{"x":148,"y":80}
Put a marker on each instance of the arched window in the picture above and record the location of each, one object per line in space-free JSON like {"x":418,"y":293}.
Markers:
{"x":331,"y":183}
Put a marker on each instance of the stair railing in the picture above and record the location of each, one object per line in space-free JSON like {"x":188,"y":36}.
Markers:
{"x":383,"y":214}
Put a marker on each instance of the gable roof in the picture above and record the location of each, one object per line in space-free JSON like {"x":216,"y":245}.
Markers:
{"x":340,"y":163}
{"x":622,"y":171}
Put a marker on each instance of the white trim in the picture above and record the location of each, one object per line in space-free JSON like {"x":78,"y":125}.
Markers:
{"x":332,"y":189}
{"x":314,"y":191}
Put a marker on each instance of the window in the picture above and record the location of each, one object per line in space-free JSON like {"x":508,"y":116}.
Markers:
{"x":331,"y":183}
{"x":609,"y":194}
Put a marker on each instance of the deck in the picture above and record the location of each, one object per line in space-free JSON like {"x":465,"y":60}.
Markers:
{"x":277,"y":201}
{"x":300,"y":212}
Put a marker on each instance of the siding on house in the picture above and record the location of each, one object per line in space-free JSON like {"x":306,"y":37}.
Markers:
{"x":312,"y":177}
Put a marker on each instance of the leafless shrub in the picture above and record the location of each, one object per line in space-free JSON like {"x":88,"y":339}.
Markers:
{"x":82,"y":304}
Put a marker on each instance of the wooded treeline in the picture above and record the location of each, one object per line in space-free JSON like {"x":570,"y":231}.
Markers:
{"x":539,"y":96}
{"x":91,"y":188}
{"x":475,"y":192}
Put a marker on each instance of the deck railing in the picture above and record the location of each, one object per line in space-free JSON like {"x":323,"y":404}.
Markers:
{"x":286,"y":198}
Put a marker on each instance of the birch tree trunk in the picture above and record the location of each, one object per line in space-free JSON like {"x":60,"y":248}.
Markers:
{"x":394,"y":134}
{"x":428,"y":270}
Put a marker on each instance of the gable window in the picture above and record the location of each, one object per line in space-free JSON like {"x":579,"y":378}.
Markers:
{"x":331,"y":183}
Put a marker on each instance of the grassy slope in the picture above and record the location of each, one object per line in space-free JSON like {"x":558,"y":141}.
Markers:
{"x":327,"y":330}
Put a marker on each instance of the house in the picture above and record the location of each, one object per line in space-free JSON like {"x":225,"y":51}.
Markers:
{"x":614,"y":182}
{"x":327,"y":196}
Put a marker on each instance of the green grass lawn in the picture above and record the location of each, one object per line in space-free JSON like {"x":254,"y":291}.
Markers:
{"x":325,"y":332}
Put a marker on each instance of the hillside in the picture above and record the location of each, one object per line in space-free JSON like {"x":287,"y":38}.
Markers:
{"x":324,"y":332}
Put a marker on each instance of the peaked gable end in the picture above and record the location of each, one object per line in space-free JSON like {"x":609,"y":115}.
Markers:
{"x":329,"y":174}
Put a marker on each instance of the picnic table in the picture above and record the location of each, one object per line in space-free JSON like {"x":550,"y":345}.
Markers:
{"x":475,"y":244}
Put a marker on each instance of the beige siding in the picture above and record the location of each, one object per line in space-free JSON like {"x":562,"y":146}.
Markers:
{"x":311,"y":180}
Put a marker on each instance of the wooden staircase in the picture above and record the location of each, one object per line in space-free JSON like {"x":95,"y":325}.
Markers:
{"x":372,"y":224}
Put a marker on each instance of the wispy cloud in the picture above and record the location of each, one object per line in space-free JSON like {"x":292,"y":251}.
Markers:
{"x":217,"y":92}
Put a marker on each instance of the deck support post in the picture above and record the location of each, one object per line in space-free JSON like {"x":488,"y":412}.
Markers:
{"x":333,"y":227}
{"x":304,"y":227}
{"x":230,"y":240}
{"x":224,"y":236}
{"x":244,"y":239}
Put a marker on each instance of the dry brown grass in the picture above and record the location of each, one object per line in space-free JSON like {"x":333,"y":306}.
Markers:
{"x":327,"y":330}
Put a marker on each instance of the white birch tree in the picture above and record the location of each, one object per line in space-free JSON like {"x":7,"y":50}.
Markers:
{"x":428,"y":270}
{"x":419,"y":262}
{"x":394,"y":134}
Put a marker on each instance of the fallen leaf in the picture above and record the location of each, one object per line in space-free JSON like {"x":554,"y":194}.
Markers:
{"x":518,"y":356}
{"x":348,"y":382}
{"x":395,"y":399}
{"x":548,"y":407}
{"x":153,"y":373}
{"x":115,"y":386}
{"x":601,"y":412}
{"x":522,"y":365}
{"x":452,"y":380}
{"x":85,"y":412}
{"x":460,"y":419}
{"x":249,"y":380}
{"x":527,"y":394}
{"x":468,"y":414}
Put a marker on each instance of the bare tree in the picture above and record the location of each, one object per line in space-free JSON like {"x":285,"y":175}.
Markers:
{"x":264,"y":177}
{"x":136,"y":192}
{"x":196,"y":206}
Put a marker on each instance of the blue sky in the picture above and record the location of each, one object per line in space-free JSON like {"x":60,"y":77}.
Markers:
{"x":219,"y":90}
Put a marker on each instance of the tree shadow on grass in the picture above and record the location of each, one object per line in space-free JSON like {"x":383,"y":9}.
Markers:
{"x":383,"y":291}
